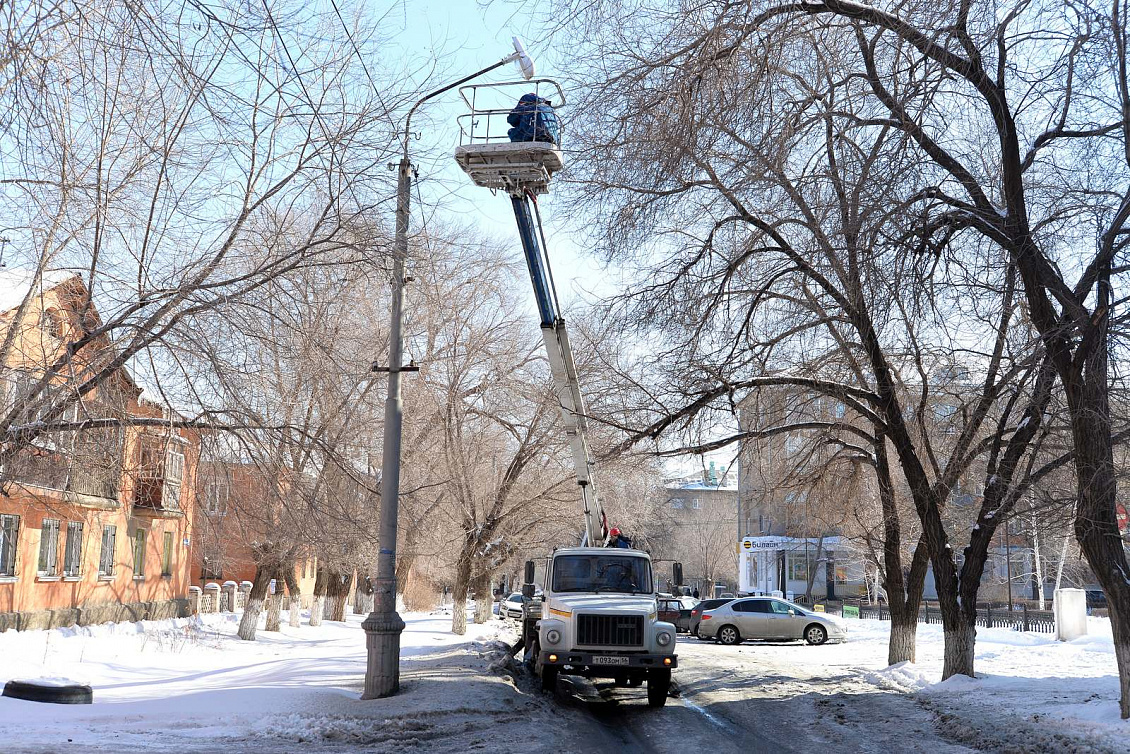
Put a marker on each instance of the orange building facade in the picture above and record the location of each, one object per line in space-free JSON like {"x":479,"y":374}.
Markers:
{"x":95,"y":525}
{"x":234,"y":502}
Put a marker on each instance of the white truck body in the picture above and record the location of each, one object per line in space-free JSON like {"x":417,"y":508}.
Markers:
{"x":599,"y":618}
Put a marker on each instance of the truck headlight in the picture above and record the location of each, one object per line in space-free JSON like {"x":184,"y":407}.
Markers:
{"x":663,"y":638}
{"x":553,"y":636}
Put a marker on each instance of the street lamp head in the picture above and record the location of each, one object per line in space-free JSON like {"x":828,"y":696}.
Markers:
{"x":523,"y":59}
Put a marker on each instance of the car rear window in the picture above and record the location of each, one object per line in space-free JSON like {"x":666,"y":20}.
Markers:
{"x":711,"y":604}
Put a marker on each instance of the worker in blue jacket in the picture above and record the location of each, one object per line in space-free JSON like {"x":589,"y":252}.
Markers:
{"x":533,"y":119}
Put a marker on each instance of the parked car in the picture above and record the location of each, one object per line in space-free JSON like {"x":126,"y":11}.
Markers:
{"x":677,"y":610}
{"x":1096,"y":598}
{"x":700,"y":608}
{"x":767,"y":618}
{"x":511,"y":607}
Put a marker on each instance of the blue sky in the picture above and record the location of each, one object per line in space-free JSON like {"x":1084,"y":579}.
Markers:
{"x":462,"y":36}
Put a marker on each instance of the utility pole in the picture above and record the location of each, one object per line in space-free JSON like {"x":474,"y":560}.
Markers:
{"x":384,"y":625}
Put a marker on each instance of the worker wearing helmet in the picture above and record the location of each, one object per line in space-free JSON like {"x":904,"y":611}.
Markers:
{"x":617,"y":539}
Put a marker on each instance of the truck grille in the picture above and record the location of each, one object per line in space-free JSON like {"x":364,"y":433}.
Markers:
{"x":610,"y":630}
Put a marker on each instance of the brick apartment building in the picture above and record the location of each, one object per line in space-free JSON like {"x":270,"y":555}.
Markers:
{"x":95,"y":525}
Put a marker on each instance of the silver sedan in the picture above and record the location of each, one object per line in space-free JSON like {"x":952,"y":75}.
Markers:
{"x":767,"y":618}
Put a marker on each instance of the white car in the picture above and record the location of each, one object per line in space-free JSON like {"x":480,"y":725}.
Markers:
{"x":511,"y":607}
{"x":767,"y":618}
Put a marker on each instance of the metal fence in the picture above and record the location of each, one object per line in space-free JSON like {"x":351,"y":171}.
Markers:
{"x":989,"y":615}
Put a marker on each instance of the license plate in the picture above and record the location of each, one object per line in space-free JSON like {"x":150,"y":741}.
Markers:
{"x":609,"y":660}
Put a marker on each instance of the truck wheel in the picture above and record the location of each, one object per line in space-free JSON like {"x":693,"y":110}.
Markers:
{"x":729,"y":635}
{"x":620,"y":679}
{"x":549,"y":678}
{"x":815,"y":635}
{"x":658,"y":684}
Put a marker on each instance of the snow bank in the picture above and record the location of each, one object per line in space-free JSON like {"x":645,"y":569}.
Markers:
{"x":192,"y":685}
{"x":1052,"y":695}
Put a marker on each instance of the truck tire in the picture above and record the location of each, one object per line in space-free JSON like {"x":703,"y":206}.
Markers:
{"x":34,"y":692}
{"x":658,"y":684}
{"x":620,"y":679}
{"x":549,"y":678}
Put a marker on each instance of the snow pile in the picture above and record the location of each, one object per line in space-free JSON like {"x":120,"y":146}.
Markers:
{"x":191,"y":685}
{"x":1032,"y":693}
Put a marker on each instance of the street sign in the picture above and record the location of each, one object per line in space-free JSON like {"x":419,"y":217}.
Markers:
{"x":851,"y":611}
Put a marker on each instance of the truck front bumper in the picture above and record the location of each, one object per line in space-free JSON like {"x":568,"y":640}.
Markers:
{"x":610,"y":661}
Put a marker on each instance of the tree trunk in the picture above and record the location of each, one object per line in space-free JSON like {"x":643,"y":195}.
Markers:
{"x":1062,"y":562}
{"x":459,"y":595}
{"x":274,"y":603}
{"x":321,"y":579}
{"x":482,"y":596}
{"x":342,"y":597}
{"x":902,"y":645}
{"x":250,"y":620}
{"x":363,"y":601}
{"x":294,"y":593}
{"x":1096,"y":524}
{"x":1037,"y":562}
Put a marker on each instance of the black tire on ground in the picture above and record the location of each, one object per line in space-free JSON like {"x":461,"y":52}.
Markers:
{"x":34,"y":692}
{"x":815,"y":634}
{"x":729,"y":635}
{"x":694,"y":632}
{"x":658,"y":684}
{"x":549,"y":678}
{"x":620,"y":679}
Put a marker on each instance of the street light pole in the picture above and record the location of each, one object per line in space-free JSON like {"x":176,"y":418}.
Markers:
{"x":384,"y":625}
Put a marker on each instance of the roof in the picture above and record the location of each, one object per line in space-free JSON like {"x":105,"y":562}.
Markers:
{"x":15,"y":283}
{"x":598,"y":551}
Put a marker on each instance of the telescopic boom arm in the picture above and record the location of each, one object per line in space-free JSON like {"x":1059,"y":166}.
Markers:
{"x":562,"y":368}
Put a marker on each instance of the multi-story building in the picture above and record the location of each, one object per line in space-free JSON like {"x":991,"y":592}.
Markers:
{"x":702,"y":517}
{"x":95,"y":524}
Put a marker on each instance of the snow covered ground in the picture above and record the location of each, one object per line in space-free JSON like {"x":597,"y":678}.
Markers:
{"x":191,"y":685}
{"x":1031,"y":694}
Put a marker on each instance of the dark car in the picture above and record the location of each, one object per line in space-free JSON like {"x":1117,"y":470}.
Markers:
{"x":1096,"y":598}
{"x":696,"y":612}
{"x":677,"y":610}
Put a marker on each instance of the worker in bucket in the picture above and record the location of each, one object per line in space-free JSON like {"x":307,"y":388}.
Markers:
{"x":618,"y":539}
{"x":533,"y":119}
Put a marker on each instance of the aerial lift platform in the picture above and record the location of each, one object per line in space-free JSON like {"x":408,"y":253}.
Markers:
{"x":599,"y":612}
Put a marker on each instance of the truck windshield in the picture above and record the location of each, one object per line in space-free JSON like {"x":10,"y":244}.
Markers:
{"x":602,"y":573}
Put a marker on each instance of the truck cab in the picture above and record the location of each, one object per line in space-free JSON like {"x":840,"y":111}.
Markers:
{"x":599,"y":619}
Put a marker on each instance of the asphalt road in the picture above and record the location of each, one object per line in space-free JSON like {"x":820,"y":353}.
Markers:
{"x":731,"y":699}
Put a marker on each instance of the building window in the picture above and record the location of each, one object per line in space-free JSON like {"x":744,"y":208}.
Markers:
{"x":676,"y":503}
{"x":72,"y":554}
{"x":106,"y":557}
{"x":54,"y":323}
{"x":216,"y":497}
{"x":797,"y":565}
{"x":139,"y":554}
{"x":167,"y":555}
{"x":49,"y":548}
{"x":696,"y":503}
{"x":174,"y":473}
{"x":9,"y":533}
